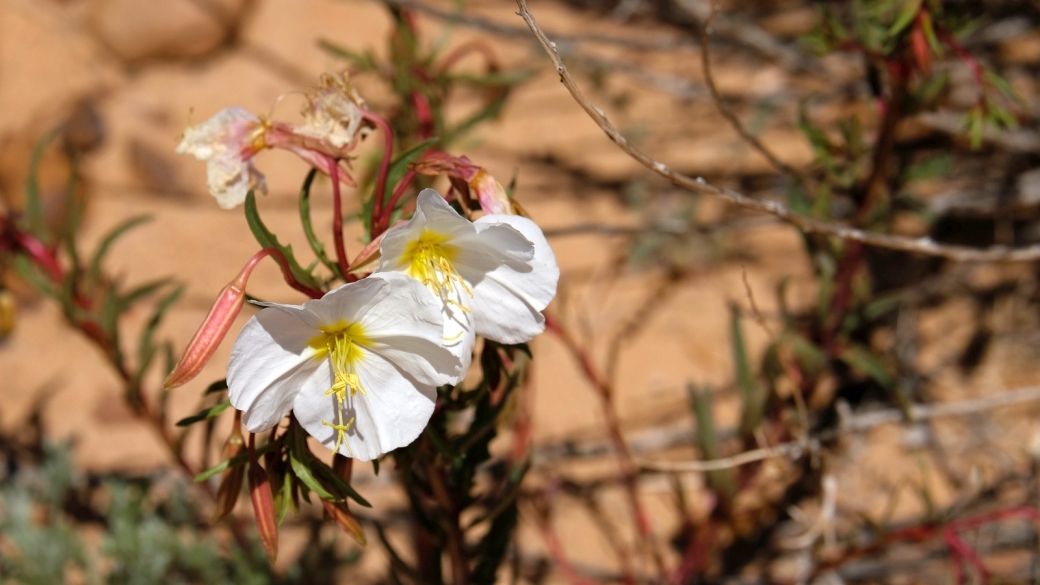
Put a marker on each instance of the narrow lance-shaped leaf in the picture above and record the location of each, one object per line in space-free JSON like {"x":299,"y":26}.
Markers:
{"x":722,"y":481}
{"x":94,"y":271}
{"x":397,"y":170}
{"x":204,"y":414}
{"x":752,"y":393}
{"x":308,"y":227}
{"x":34,"y":223}
{"x":266,"y":239}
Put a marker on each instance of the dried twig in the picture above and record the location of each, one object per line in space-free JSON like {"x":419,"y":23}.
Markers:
{"x":850,"y":424}
{"x":925,"y":245}
{"x":725,"y":110}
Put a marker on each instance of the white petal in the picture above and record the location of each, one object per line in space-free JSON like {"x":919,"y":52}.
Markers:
{"x":508,"y":300}
{"x":408,"y":329}
{"x":394,"y":412}
{"x":269,"y":362}
{"x":441,"y":217}
{"x":431,"y":212}
{"x":230,"y":178}
{"x":212,"y":137}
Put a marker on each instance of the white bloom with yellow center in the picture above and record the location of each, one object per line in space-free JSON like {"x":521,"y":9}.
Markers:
{"x":359,"y":367}
{"x":227,"y":142}
{"x":494,"y":276}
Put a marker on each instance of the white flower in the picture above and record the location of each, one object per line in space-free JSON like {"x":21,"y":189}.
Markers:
{"x":358,"y":367}
{"x":494,"y":276}
{"x":228,"y":141}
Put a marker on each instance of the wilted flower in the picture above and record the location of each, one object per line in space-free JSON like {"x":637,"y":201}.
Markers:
{"x":358,"y":367}
{"x":493,"y":276}
{"x":232,"y":137}
{"x":333,"y":112}
{"x":227,"y":142}
{"x":471,"y":180}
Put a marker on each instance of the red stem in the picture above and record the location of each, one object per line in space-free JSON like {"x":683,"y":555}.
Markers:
{"x":965,"y":55}
{"x":40,"y":254}
{"x":613,"y":423}
{"x":402,"y":186}
{"x":384,"y":166}
{"x":474,"y":46}
{"x":287,"y":274}
{"x":337,"y":220}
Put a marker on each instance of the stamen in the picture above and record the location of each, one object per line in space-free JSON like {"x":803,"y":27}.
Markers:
{"x":429,"y":261}
{"x":341,"y":431}
{"x":343,"y":352}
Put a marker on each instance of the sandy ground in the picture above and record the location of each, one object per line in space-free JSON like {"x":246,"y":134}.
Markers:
{"x":54,"y":53}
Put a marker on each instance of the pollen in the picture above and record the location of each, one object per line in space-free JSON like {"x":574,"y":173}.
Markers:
{"x":429,"y":260}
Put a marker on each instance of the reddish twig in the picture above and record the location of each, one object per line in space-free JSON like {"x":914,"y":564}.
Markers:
{"x":626,"y":461}
{"x":384,"y":166}
{"x":337,"y":220}
{"x":474,"y":46}
{"x":287,"y":274}
{"x":399,"y":191}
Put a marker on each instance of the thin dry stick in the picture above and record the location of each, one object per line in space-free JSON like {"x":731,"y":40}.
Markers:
{"x":725,"y":110}
{"x":853,"y":424}
{"x":925,"y":245}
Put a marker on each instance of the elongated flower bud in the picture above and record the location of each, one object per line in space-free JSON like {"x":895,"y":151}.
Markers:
{"x":338,"y":511}
{"x":263,"y":506}
{"x":231,"y":479}
{"x":202,"y":347}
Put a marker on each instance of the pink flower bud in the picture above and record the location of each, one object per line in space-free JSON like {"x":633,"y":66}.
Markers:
{"x":263,"y":507}
{"x":202,"y":347}
{"x":492,"y":197}
{"x":342,"y":516}
{"x":231,"y":479}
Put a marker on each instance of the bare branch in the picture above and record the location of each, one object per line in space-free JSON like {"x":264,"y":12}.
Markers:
{"x":925,"y":245}
{"x":849,"y":424}
{"x":725,"y":111}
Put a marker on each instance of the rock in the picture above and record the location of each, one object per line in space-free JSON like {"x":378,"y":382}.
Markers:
{"x":138,"y":30}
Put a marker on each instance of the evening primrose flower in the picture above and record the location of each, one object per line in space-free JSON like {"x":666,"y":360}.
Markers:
{"x":493,"y":277}
{"x":359,"y":367}
{"x":227,"y":142}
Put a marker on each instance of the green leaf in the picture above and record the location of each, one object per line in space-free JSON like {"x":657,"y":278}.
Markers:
{"x":266,"y":239}
{"x":94,"y":272}
{"x":25,"y":268}
{"x":340,"y":484}
{"x":141,"y":292}
{"x":399,"y":167}
{"x":752,"y":393}
{"x":304,"y":474}
{"x":863,"y":360}
{"x":906,"y":16}
{"x":308,"y":228}
{"x":220,"y":467}
{"x":721,"y":481}
{"x":204,"y":414}
{"x":33,"y":201}
{"x":365,"y":61}
{"x":218,"y":386}
{"x":146,"y":347}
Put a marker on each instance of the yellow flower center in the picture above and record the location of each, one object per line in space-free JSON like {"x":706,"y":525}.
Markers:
{"x":429,"y":260}
{"x":342,"y":344}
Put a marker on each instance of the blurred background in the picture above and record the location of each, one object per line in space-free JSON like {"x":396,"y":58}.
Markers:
{"x":888,"y":400}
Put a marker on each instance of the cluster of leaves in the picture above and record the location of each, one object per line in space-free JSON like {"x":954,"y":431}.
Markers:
{"x":146,"y":537}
